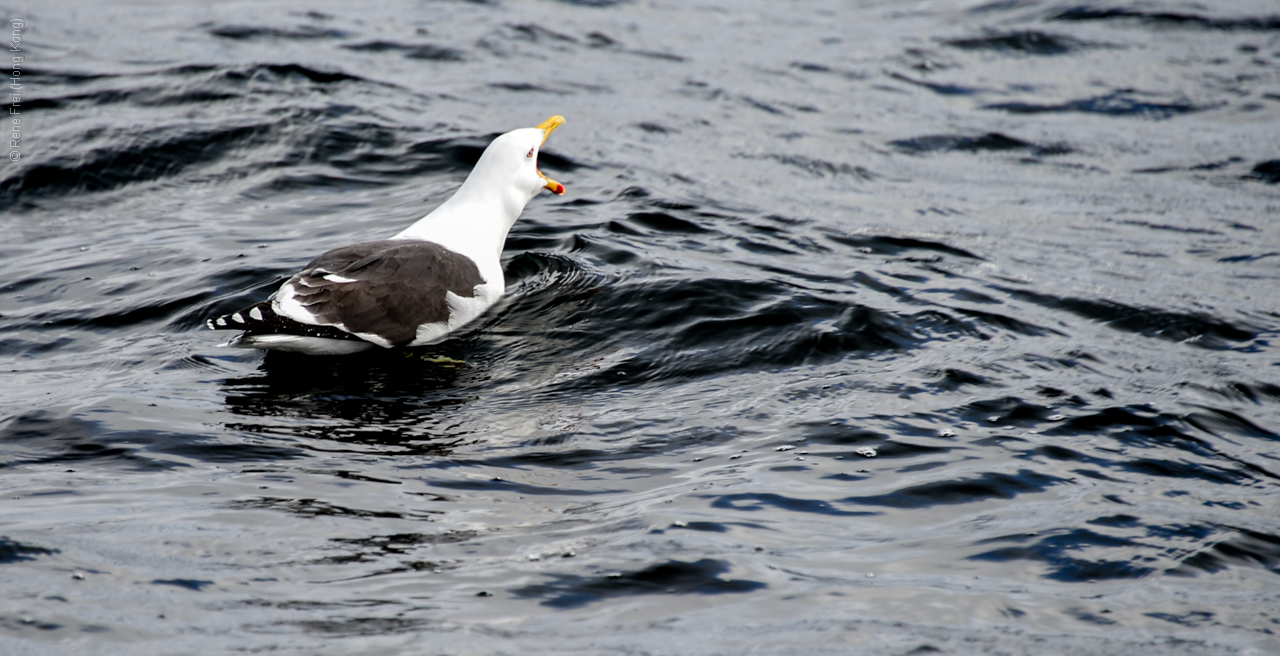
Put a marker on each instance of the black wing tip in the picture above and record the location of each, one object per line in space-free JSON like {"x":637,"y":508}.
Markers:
{"x":243,"y":319}
{"x":261,"y":319}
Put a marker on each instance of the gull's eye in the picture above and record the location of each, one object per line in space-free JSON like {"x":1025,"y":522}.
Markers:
{"x":529,"y":154}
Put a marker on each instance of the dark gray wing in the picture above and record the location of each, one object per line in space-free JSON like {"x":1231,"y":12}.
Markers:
{"x":386,"y":288}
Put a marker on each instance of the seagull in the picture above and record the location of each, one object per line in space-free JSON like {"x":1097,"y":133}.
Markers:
{"x":417,"y":287}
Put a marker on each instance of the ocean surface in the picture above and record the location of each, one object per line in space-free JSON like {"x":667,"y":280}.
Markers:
{"x":865,"y":327}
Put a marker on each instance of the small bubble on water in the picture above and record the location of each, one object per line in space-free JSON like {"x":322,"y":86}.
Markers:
{"x":78,"y":576}
{"x":568,"y":554}
{"x":784,"y":447}
{"x":679,"y":524}
{"x":484,"y":593}
{"x":947,"y":432}
{"x":1056,"y":417}
{"x":866,"y":451}
{"x":871,"y":575}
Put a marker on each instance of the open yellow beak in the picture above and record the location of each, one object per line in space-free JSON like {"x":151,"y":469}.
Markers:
{"x":547,"y":127}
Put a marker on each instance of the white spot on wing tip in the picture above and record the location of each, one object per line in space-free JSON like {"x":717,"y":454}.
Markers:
{"x":222,"y":321}
{"x":256,"y":313}
{"x":237,"y":318}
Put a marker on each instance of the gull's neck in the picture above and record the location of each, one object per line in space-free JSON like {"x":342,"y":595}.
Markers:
{"x":474,"y":221}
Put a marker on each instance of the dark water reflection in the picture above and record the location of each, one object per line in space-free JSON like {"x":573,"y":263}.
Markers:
{"x":885,"y":327}
{"x":397,"y":400}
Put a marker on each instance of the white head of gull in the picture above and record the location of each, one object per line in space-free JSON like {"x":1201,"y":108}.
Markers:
{"x":417,"y":287}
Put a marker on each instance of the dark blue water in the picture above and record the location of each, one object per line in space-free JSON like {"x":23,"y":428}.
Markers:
{"x":864,"y":327}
